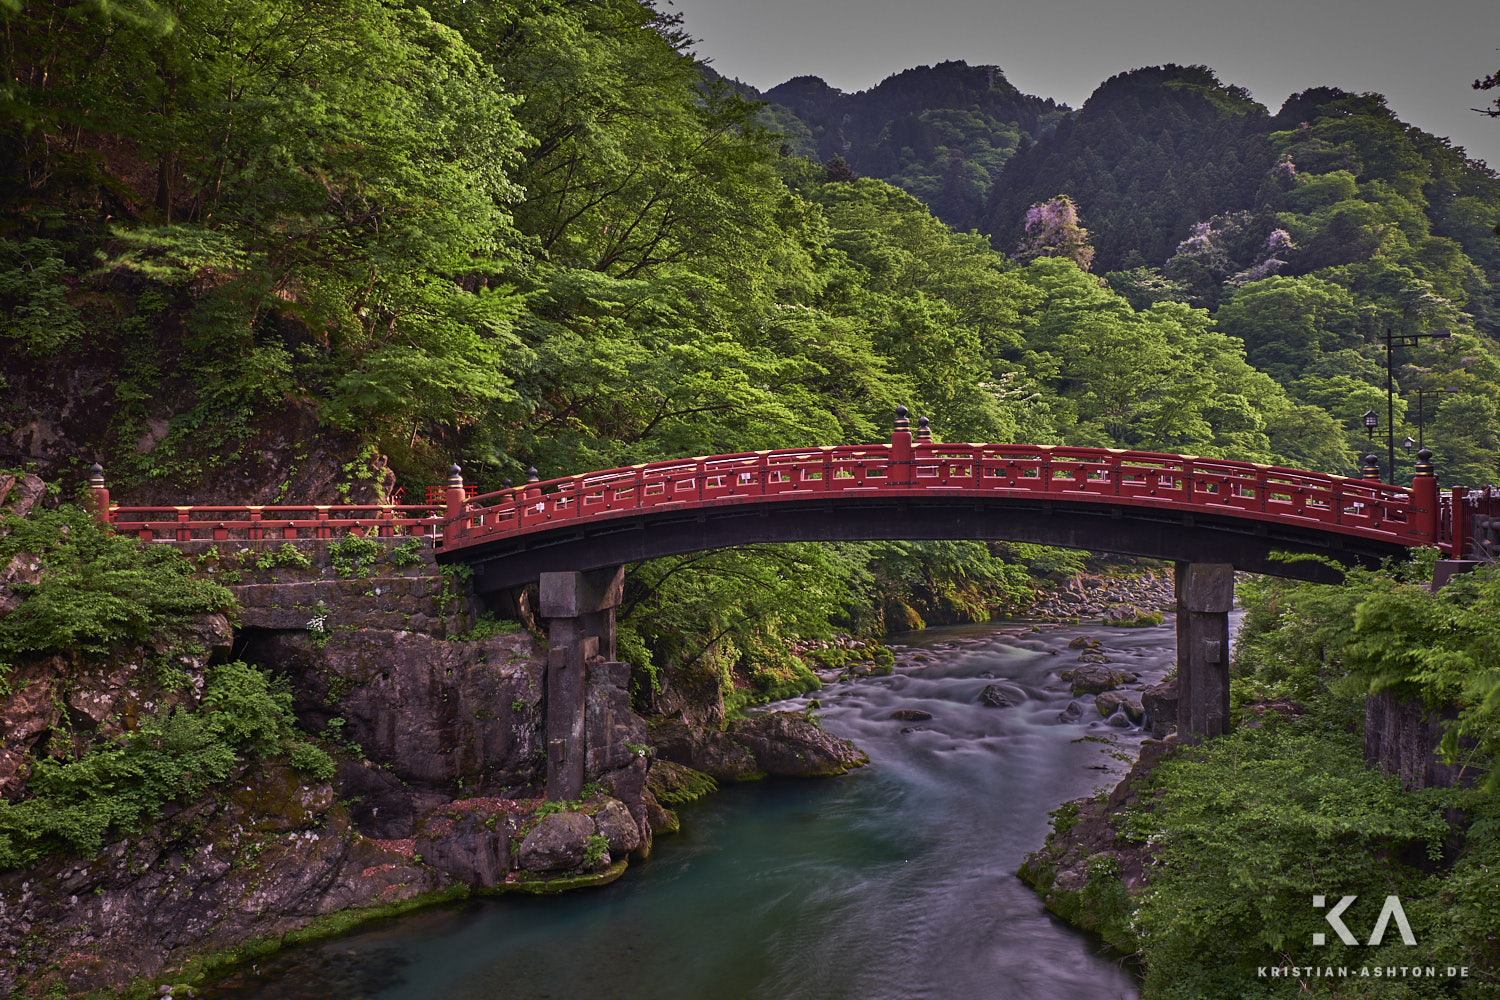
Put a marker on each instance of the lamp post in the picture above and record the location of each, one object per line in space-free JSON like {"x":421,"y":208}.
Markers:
{"x":1405,"y":340}
{"x":1422,"y":412}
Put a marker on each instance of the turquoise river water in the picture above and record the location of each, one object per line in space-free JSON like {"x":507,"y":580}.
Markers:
{"x":895,"y":882}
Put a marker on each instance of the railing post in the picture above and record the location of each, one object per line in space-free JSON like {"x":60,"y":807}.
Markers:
{"x":901,"y":471}
{"x":322,"y":530}
{"x":1422,"y":510}
{"x":184,"y":530}
{"x":1371,"y":470}
{"x":1463,"y":527}
{"x":255,"y":525}
{"x":100,"y":493}
{"x":453,"y":511}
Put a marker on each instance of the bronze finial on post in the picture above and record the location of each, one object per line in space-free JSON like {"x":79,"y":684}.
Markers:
{"x":924,"y":433}
{"x":1372,"y":469}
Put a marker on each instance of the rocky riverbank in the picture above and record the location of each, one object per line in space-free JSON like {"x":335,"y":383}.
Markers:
{"x":1141,"y":599}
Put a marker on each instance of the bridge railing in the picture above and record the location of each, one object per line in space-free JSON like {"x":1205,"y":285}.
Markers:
{"x":227,"y":522}
{"x":1076,"y":474}
{"x":1471,"y":520}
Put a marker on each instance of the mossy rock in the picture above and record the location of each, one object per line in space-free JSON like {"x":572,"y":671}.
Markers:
{"x":674,"y":784}
{"x":550,"y":885}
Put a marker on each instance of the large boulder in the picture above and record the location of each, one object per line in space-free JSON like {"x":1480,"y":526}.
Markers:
{"x":1111,"y":702}
{"x":615,"y":824}
{"x":1159,"y":707}
{"x":558,"y":842}
{"x":779,"y":743}
{"x":789,"y":743}
{"x":1096,"y":678}
{"x":437,"y":715}
{"x":1001,"y":695}
{"x":703,"y":749}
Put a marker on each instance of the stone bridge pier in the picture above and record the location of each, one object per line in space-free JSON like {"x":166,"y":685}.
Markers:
{"x":579,"y":609}
{"x":1205,"y":593}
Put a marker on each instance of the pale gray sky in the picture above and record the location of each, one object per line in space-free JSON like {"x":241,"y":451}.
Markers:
{"x":1422,"y":55}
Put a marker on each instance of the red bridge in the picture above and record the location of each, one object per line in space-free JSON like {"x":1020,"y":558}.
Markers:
{"x":572,"y":536}
{"x":1128,"y":502}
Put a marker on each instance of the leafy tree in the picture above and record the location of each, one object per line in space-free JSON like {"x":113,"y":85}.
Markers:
{"x":1052,"y":230}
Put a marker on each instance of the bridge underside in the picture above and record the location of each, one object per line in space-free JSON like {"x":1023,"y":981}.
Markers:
{"x":1195,"y":537}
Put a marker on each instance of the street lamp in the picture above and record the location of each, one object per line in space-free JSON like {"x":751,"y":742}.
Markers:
{"x":1405,"y":340}
{"x":1422,"y":412}
{"x":1372,"y":421}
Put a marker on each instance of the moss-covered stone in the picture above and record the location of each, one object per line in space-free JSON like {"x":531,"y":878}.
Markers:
{"x":549,"y":885}
{"x":673,"y":783}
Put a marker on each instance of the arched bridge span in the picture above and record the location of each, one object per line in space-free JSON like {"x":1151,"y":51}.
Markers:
{"x":573,"y":535}
{"x":1133,"y":503}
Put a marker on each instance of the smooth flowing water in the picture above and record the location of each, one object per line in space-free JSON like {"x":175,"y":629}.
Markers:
{"x":895,"y":882}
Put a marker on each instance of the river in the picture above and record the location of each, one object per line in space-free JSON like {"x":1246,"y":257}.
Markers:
{"x":895,"y":882}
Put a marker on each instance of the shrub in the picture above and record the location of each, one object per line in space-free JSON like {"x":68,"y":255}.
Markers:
{"x":97,"y":588}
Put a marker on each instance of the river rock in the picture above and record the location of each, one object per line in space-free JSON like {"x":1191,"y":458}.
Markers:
{"x":791,"y":744}
{"x":779,"y":743}
{"x":1073,"y":713}
{"x":1083,"y":642}
{"x":558,"y":843}
{"x":674,"y":784}
{"x":1111,"y":702}
{"x":1159,"y":706}
{"x":615,"y":824}
{"x":911,"y":715}
{"x":703,"y":749}
{"x":1095,"y":678}
{"x":1000,"y":696}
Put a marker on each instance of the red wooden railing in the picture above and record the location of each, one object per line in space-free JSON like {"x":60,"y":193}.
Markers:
{"x":221,"y":522}
{"x":1414,"y":515}
{"x":1089,"y":475}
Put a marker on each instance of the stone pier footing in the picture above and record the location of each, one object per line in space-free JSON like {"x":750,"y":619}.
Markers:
{"x":1205,"y":593}
{"x":579,"y":609}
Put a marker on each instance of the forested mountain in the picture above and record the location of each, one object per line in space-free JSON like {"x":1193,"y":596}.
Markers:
{"x":941,"y":132}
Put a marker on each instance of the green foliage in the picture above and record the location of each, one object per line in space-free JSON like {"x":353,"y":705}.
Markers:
{"x":176,"y":754}
{"x":96,"y":588}
{"x":288,"y":555}
{"x":1383,"y":630}
{"x":354,"y":555}
{"x":407,"y":553}
{"x":487,"y":626}
{"x":732,"y":613}
{"x":596,"y":849}
{"x":1248,"y":828}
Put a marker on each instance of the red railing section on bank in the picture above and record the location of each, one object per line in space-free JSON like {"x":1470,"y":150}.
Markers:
{"x":1415,"y":515}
